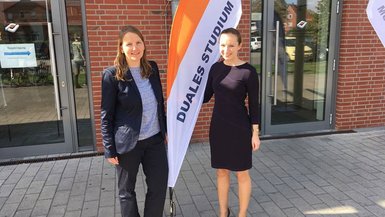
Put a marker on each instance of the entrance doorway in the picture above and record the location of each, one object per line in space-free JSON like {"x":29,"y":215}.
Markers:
{"x":296,"y":64}
{"x":34,"y":112}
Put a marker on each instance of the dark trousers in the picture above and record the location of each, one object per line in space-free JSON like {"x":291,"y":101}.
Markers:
{"x":151,"y":153}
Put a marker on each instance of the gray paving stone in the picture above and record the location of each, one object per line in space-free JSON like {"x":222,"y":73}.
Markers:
{"x":183,"y":197}
{"x":21,"y":168}
{"x":13,"y":178}
{"x":292,"y":183}
{"x":313,"y":188}
{"x":53,"y":179}
{"x":78,"y":188}
{"x":32,"y":169}
{"x":189,"y":210}
{"x":81,"y":176}
{"x":286,"y":191}
{"x":59,"y":167}
{"x":6,"y":171}
{"x":60,"y":198}
{"x":280,"y":200}
{"x":16,"y":196}
{"x":94,"y":180}
{"x":57,"y":211}
{"x":360,"y":199}
{"x":254,"y":207}
{"x":90,"y":208}
{"x":75,"y":203}
{"x":2,"y":201}
{"x":47,"y":192}
{"x":41,"y":208}
{"x":201,"y":203}
{"x":42,"y":175}
{"x":301,"y":204}
{"x":73,"y":214}
{"x":8,"y":210}
{"x":93,"y":193}
{"x":23,"y":213}
{"x":24,"y":182}
{"x":272,"y":209}
{"x":35,"y":187}
{"x":105,"y":198}
{"x":293,"y":212}
{"x":65,"y":184}
{"x":28,"y":201}
{"x":106,"y":211}
{"x":6,"y":190}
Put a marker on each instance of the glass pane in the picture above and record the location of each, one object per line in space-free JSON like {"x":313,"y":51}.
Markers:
{"x":256,"y":34}
{"x":302,"y":60}
{"x":79,"y":72}
{"x":28,"y":99}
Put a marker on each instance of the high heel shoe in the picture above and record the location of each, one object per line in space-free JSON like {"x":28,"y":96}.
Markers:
{"x":228,"y":212}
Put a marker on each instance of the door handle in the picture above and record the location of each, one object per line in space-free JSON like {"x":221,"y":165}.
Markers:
{"x":276,"y":62}
{"x":53,"y":69}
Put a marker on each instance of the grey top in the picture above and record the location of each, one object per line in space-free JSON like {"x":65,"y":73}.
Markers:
{"x":150,"y":123}
{"x":77,"y":50}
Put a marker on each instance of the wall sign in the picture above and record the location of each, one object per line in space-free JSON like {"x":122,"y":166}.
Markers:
{"x":17,"y":55}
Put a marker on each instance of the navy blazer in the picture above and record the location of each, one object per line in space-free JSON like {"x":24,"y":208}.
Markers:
{"x":121,"y":110}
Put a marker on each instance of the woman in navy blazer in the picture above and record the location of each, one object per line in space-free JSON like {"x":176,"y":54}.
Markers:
{"x":134,"y":124}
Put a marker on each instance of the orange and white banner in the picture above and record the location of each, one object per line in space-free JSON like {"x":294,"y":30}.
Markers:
{"x":193,"y":49}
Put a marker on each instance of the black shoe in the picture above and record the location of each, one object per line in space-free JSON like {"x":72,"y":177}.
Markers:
{"x":228,"y":212}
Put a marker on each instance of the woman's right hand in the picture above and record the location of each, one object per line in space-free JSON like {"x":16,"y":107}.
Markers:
{"x":113,"y":160}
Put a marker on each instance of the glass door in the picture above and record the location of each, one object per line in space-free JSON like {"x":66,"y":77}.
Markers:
{"x":297,"y":71}
{"x":33,"y":100}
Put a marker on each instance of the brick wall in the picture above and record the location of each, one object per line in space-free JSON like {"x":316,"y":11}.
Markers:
{"x":361,"y":73}
{"x":153,"y":18}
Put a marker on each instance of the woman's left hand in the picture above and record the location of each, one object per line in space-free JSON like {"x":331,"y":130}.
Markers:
{"x":255,"y":142}
{"x":166,"y":139}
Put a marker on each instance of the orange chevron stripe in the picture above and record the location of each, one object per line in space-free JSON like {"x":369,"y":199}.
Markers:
{"x":186,"y":20}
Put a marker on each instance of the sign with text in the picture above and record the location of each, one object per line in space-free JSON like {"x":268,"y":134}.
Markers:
{"x":17,"y":55}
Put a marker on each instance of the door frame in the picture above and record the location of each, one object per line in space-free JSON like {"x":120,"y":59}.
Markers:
{"x":328,"y":124}
{"x":69,"y":145}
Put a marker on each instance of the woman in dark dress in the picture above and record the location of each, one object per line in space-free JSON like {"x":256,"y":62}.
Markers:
{"x":234,"y":130}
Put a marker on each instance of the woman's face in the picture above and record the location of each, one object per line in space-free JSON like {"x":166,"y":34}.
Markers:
{"x":133,"y":48}
{"x":229,"y":46}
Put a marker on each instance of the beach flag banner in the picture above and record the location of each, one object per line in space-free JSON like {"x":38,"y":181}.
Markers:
{"x":193,"y":49}
{"x":376,"y":16}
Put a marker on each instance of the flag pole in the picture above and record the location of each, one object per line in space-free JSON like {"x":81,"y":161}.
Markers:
{"x":172,"y":203}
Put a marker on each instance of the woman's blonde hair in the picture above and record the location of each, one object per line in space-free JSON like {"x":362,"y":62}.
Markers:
{"x":120,"y":59}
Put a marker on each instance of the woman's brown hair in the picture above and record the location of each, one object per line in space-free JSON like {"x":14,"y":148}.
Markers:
{"x":234,"y":32}
{"x":120,"y":59}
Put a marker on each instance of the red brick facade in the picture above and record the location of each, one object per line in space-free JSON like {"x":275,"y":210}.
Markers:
{"x":361,"y":72}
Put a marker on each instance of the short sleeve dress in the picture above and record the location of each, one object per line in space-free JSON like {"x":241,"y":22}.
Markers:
{"x":231,"y":121}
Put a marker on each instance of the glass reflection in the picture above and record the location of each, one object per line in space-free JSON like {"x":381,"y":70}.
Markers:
{"x":79,"y":74}
{"x":28,"y":100}
{"x":302,"y":60}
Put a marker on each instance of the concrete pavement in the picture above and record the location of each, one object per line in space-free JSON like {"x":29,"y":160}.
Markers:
{"x":329,"y":175}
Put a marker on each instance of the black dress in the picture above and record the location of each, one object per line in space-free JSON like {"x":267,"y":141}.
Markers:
{"x":230,"y":129}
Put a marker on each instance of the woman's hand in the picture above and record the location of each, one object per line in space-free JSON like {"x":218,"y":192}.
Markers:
{"x":165,"y":139}
{"x":113,"y":160}
{"x":255,"y":142}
